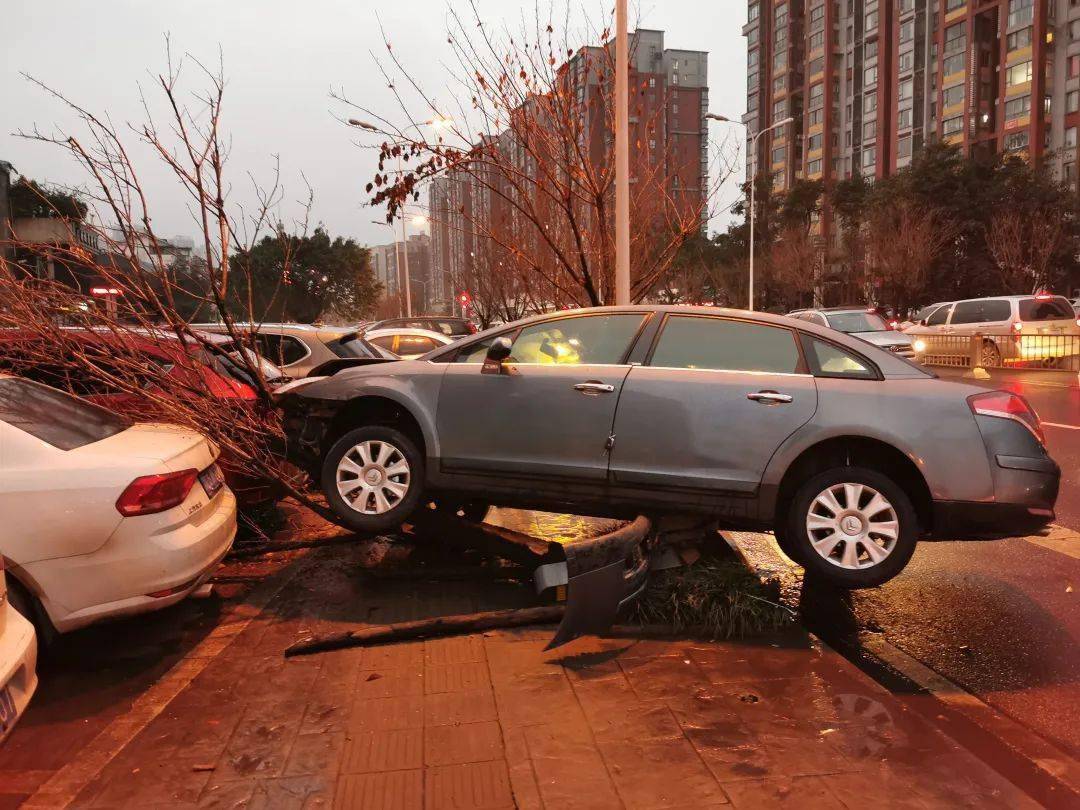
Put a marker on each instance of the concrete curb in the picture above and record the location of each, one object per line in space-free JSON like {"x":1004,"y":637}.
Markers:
{"x":1022,"y":742}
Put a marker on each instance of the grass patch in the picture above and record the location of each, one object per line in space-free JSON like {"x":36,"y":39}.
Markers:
{"x":716,"y":596}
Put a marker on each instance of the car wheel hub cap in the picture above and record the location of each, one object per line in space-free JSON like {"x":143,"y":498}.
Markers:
{"x":373,"y":477}
{"x":852,"y":526}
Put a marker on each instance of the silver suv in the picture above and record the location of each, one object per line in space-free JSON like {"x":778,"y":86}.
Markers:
{"x":849,"y":452}
{"x":1013,"y":329}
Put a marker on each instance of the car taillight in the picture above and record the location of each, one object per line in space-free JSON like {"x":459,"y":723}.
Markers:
{"x":151,"y":494}
{"x":1004,"y":405}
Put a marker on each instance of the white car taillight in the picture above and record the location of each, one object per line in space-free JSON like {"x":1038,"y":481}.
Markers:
{"x":1004,"y":405}
{"x":151,"y":494}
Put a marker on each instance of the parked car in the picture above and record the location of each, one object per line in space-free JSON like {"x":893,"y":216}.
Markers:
{"x":1041,"y":329}
{"x":849,"y":452}
{"x":181,"y":366}
{"x":922,"y":315}
{"x":18,"y":660}
{"x":867,"y":324}
{"x":298,"y":349}
{"x":407,"y":342}
{"x":451,"y":327}
{"x":103,"y":517}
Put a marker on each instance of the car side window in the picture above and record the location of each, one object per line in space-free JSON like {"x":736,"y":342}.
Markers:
{"x":698,"y":342}
{"x":828,"y":360}
{"x":583,"y":340}
{"x":474,"y":353}
{"x":281,"y":350}
{"x":940,"y":316}
{"x":415,"y":344}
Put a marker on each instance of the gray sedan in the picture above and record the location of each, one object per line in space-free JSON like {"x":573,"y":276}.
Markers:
{"x":849,"y":452}
{"x":862,"y":323}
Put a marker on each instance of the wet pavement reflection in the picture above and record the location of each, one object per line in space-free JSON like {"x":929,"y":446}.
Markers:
{"x":551,"y":526}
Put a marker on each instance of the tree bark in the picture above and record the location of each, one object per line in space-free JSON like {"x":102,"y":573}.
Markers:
{"x":438,"y":627}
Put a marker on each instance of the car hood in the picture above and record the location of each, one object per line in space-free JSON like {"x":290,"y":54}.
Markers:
{"x":883,"y":339}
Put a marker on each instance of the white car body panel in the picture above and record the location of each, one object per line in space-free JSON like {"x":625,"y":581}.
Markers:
{"x":65,"y":541}
{"x":18,"y":660}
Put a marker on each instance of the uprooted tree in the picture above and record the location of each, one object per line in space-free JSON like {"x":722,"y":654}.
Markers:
{"x":524,"y":167}
{"x":133,"y":338}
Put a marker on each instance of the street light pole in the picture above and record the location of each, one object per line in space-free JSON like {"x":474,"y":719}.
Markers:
{"x":753,"y":187}
{"x":622,"y":158}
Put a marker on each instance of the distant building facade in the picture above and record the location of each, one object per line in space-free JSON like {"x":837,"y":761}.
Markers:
{"x":387,"y":262}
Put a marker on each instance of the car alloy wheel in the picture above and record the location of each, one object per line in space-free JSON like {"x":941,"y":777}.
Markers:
{"x":852,"y":526}
{"x":373,"y":477}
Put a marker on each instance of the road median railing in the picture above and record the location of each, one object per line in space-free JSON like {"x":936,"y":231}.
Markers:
{"x":1048,"y":352}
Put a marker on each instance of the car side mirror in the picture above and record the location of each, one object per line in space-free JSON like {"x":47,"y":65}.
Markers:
{"x":496,"y":354}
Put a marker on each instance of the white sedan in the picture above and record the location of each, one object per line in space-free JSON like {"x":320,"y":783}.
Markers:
{"x":18,"y":661}
{"x":406,"y":342}
{"x":102,"y":517}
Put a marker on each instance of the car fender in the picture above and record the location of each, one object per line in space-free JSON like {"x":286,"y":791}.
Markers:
{"x":416,"y":393}
{"x":945,"y":446}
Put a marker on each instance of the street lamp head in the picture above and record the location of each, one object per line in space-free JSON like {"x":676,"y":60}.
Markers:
{"x":353,"y":122}
{"x":419,"y":220}
{"x":723,"y":118}
{"x":440,"y":122}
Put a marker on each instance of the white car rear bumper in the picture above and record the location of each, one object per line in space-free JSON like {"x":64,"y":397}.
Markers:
{"x":149,"y":563}
{"x":18,"y":664}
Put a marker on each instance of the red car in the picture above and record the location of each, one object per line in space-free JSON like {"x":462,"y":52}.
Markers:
{"x":190,"y":365}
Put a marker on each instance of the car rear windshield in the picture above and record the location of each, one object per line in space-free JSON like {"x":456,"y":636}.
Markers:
{"x":1046,"y":309}
{"x":59,"y":419}
{"x":852,"y":322}
{"x":353,"y":346}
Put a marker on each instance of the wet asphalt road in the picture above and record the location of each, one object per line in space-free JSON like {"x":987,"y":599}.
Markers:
{"x":1002,"y":619}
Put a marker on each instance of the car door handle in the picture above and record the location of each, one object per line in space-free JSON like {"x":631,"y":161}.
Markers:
{"x":595,"y":387}
{"x":769,"y":397}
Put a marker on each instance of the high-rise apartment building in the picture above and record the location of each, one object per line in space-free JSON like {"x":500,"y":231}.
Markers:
{"x":870,"y":82}
{"x":669,"y":146}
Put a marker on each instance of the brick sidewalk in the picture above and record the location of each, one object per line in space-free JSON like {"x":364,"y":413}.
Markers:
{"x":491,"y":721}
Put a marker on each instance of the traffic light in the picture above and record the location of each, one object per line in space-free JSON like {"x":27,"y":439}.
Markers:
{"x":464,"y":299}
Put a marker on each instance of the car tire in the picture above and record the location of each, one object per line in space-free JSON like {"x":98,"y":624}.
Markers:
{"x":394,"y":489}
{"x":852,"y":545}
{"x":31,"y":609}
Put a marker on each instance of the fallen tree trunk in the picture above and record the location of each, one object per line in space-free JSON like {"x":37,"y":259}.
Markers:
{"x":438,"y":627}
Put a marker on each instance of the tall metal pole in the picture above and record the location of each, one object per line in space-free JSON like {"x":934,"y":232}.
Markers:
{"x":622,"y":158}
{"x":753,"y":213}
{"x":405,"y":255}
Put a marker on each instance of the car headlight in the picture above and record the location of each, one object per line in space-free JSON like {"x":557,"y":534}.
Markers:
{"x":919,"y":346}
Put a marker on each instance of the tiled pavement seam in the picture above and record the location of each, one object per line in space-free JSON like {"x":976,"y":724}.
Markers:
{"x":63,"y":786}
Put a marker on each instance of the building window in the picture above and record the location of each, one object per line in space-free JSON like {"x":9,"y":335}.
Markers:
{"x":817,"y":40}
{"x":752,"y":59}
{"x":1015,"y":141}
{"x":955,"y":38}
{"x":814,"y":142}
{"x":869,"y":130}
{"x":1017,"y":107}
{"x":907,"y":31}
{"x":817,"y":93}
{"x":1020,"y":12}
{"x":951,"y":126}
{"x":817,"y":17}
{"x":907,"y":61}
{"x":1072,"y":101}
{"x":903,"y":119}
{"x":953,"y":64}
{"x":779,"y":84}
{"x":952,"y":95}
{"x":753,"y":12}
{"x":1074,"y":66}
{"x":1018,"y":39}
{"x":779,"y":110}
{"x":780,"y":15}
{"x":779,"y":61}
{"x":816,"y":66}
{"x":906,"y":6}
{"x":869,"y":76}
{"x":953,"y":5}
{"x":869,"y":102}
{"x":903,"y":147}
{"x":816,"y":116}
{"x":1070,"y":138}
{"x":869,"y":157}
{"x":1018,"y":74}
{"x":907,"y":87}
{"x":814,"y":167}
{"x":870,"y":21}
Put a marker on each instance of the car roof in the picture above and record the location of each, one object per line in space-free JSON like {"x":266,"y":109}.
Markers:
{"x":406,"y":330}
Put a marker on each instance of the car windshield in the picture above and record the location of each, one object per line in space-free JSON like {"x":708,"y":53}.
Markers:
{"x":62,"y":420}
{"x":227,"y":361}
{"x":855,"y":322}
{"x":353,"y":346}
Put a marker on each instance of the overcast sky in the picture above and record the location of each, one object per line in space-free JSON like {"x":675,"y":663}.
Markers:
{"x":281,"y":61}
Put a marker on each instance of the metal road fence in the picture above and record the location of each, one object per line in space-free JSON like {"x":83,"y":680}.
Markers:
{"x":1055,"y":352}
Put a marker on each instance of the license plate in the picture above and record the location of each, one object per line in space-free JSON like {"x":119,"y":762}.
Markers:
{"x":212,"y":480}
{"x":7,"y":709}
